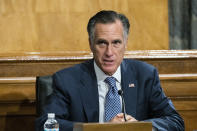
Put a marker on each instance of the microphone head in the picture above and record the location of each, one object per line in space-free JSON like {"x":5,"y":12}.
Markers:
{"x":120,"y":92}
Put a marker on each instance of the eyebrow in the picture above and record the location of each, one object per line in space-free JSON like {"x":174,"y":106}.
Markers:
{"x":117,"y":40}
{"x":101,"y":41}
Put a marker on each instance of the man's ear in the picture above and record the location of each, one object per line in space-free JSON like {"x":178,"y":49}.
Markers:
{"x":125,"y":46}
{"x":126,"y":43}
{"x":90,"y":44}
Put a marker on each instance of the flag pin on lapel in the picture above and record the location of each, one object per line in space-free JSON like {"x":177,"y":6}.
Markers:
{"x":132,"y":85}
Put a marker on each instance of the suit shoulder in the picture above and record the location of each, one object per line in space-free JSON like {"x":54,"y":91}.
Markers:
{"x":141,"y":69}
{"x":139,"y":64}
{"x":75,"y":69}
{"x":71,"y":69}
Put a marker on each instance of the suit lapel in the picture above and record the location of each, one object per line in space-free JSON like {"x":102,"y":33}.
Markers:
{"x":129,"y":87}
{"x":89,"y":92}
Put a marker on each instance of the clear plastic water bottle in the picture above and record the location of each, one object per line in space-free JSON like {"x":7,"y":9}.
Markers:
{"x":51,"y":124}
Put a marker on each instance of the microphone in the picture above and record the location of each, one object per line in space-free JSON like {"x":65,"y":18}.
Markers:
{"x":120,"y":92}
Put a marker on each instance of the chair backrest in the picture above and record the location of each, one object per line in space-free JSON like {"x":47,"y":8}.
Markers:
{"x":43,"y":90}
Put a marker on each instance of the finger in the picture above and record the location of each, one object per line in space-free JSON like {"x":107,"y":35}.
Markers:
{"x":116,"y":119}
{"x":120,"y":115}
{"x":130,"y":118}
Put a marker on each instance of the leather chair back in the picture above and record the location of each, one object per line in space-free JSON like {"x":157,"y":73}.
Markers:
{"x":43,"y":90}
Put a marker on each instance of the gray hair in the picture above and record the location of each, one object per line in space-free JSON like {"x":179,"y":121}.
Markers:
{"x":105,"y":17}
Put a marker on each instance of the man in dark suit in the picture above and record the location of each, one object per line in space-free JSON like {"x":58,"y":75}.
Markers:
{"x":88,"y":92}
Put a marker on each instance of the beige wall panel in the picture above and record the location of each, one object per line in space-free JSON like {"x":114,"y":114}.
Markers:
{"x":60,"y":25}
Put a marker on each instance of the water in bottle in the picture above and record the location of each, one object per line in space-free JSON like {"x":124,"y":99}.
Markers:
{"x":51,"y":124}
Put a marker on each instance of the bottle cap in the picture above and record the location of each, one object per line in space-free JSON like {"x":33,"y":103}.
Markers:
{"x":51,"y":115}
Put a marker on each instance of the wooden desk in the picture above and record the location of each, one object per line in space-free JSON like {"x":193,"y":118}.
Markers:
{"x":128,"y":126}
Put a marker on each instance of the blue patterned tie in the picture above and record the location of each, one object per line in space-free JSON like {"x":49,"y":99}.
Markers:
{"x":112,"y":100}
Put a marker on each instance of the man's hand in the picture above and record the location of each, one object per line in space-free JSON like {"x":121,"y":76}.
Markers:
{"x":120,"y":118}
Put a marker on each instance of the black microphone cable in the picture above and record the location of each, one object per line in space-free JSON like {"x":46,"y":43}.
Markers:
{"x":120,"y":92}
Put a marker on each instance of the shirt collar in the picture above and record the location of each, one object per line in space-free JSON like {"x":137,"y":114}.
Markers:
{"x":101,"y":76}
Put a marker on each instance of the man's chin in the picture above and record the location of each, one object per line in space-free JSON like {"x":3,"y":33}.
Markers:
{"x":109,"y":71}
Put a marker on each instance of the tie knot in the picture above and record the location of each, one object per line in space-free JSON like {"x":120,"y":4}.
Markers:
{"x":111,"y":81}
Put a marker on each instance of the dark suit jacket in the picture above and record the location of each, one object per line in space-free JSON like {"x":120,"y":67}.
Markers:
{"x":75,"y":97}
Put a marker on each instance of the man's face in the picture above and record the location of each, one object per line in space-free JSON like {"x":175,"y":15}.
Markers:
{"x":108,"y":46}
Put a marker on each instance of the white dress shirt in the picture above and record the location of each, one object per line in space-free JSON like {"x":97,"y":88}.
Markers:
{"x":103,"y":88}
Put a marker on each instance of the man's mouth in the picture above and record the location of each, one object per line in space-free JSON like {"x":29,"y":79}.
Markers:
{"x":108,"y":62}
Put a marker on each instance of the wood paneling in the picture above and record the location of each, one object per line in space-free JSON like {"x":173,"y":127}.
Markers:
{"x":17,"y":89}
{"x":182,"y":85}
{"x":178,"y":75}
{"x":190,"y":119}
{"x":17,"y":122}
{"x":60,"y":25}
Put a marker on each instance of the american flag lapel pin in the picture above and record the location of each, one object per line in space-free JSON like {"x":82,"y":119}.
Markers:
{"x":131,"y":85}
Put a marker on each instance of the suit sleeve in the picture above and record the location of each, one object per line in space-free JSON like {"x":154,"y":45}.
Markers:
{"x":163,"y":114}
{"x":58,"y":103}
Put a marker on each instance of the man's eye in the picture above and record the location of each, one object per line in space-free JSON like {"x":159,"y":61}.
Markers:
{"x":101,"y":42}
{"x":117,"y":42}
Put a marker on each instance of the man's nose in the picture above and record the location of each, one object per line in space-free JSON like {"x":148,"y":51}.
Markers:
{"x":109,"y":50}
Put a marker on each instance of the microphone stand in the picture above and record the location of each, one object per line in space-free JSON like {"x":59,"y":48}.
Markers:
{"x":120,"y":92}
